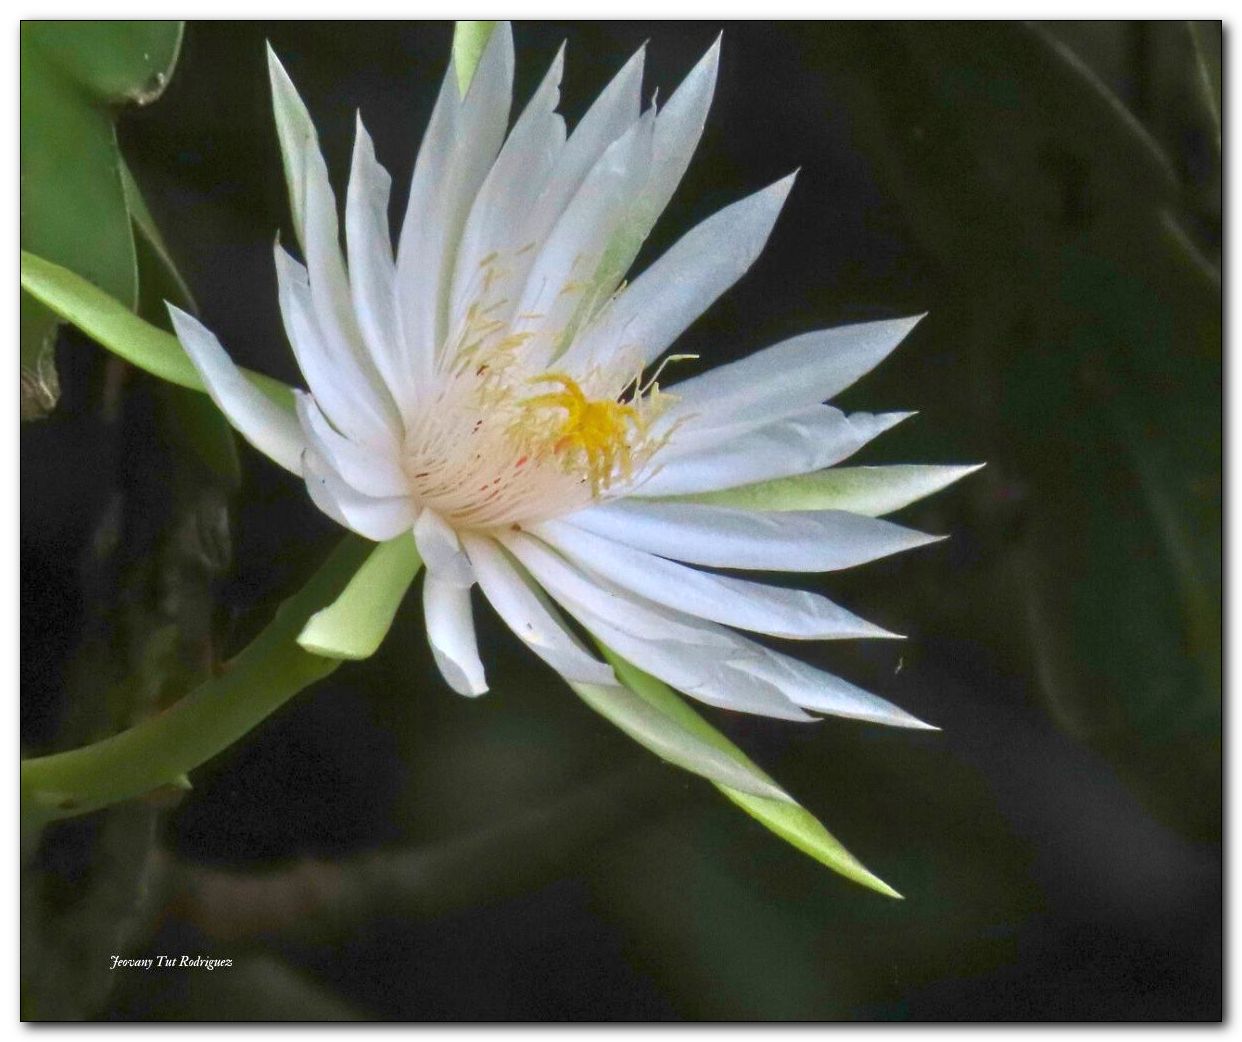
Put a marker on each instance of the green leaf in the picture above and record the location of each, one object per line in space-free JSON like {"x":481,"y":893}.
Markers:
{"x":115,"y":62}
{"x":73,"y":206}
{"x":670,"y":741}
{"x":469,"y":40}
{"x":783,"y":816}
{"x":353,"y":626}
{"x":193,"y":421}
{"x":155,"y":264}
{"x":873,"y":491}
{"x":110,"y":323}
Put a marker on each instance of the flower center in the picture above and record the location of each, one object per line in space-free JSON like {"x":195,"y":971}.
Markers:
{"x":590,"y":437}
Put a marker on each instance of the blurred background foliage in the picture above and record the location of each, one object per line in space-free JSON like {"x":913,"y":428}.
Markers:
{"x":1051,"y":194}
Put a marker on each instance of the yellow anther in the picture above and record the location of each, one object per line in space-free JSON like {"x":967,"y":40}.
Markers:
{"x":589,"y":435}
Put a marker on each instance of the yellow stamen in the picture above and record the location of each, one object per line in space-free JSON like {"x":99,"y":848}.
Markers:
{"x":589,"y":435}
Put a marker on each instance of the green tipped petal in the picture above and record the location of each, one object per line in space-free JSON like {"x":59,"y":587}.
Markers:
{"x":469,"y":39}
{"x":873,"y":491}
{"x":783,"y":816}
{"x":670,"y":741}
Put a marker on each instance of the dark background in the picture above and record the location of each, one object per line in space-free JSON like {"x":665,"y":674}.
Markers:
{"x":382,"y":848}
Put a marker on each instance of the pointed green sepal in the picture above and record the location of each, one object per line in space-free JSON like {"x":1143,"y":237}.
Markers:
{"x":353,"y":625}
{"x":469,"y":40}
{"x":783,"y":816}
{"x":873,"y":491}
{"x":670,"y":741}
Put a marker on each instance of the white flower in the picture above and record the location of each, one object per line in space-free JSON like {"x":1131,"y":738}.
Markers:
{"x":485,"y":391}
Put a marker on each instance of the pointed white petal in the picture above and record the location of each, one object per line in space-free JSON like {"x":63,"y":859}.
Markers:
{"x":267,"y":427}
{"x":374,"y":518}
{"x":794,"y":541}
{"x":682,"y":651}
{"x":563,"y":274}
{"x":450,"y":631}
{"x":522,"y":612}
{"x":297,"y":137}
{"x":491,"y":249}
{"x":333,"y":304}
{"x":613,"y":113}
{"x":794,"y":614}
{"x":666,"y":298}
{"x":678,"y":129}
{"x":461,"y":142}
{"x":705,"y":673}
{"x":372,"y":272}
{"x":441,"y":550}
{"x":329,"y":366}
{"x":808,"y":441}
{"x":567,"y":583}
{"x":787,"y":377}
{"x":315,"y":224}
{"x":822,"y":692}
{"x":370,"y":472}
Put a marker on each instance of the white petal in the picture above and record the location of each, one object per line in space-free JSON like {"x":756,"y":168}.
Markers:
{"x":458,"y":149}
{"x":680,"y":650}
{"x":569,"y":585}
{"x":678,"y":129}
{"x":789,"y":376}
{"x":450,"y":631}
{"x":315,"y":224}
{"x":297,"y":137}
{"x":270,"y":429}
{"x":662,"y":302}
{"x":494,"y":233}
{"x":611,"y":115}
{"x":794,"y":541}
{"x":333,"y":304}
{"x":794,"y":614}
{"x":372,"y":272}
{"x":564,"y":270}
{"x":703,"y":672}
{"x":822,"y":692}
{"x":328,"y":365}
{"x":809,"y":441}
{"x":374,"y":518}
{"x":441,"y":550}
{"x":533,"y":624}
{"x":370,"y":472}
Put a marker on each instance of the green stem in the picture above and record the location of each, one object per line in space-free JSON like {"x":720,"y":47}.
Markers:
{"x":162,"y":750}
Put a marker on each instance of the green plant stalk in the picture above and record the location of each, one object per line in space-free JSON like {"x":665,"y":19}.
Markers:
{"x":161,"y":751}
{"x":274,"y":667}
{"x":113,"y":325}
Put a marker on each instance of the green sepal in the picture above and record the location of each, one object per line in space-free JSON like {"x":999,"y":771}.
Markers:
{"x":786,"y":817}
{"x":873,"y":491}
{"x":678,"y":745}
{"x":354,"y":625}
{"x":469,"y":41}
